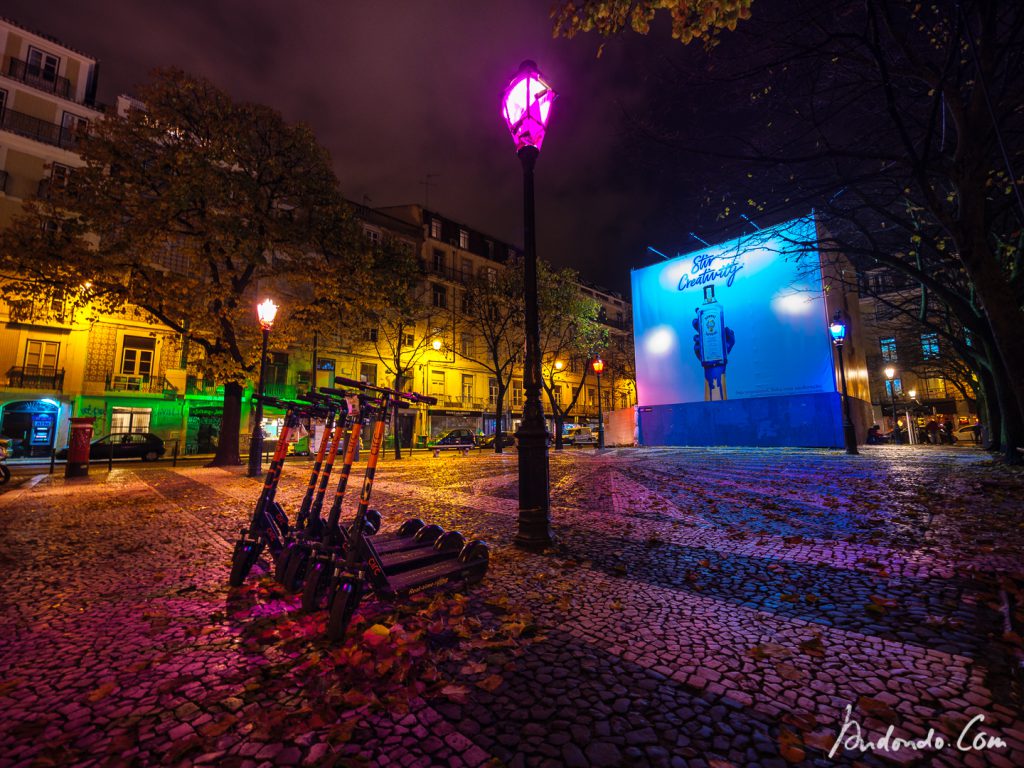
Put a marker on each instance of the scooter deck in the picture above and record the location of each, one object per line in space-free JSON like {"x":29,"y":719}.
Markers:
{"x":406,"y":559}
{"x":428,"y":576}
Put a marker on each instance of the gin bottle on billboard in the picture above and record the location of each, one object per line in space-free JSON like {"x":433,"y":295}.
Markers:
{"x":713,"y":352}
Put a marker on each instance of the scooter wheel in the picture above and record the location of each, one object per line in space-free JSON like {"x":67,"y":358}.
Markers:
{"x":475,"y":557}
{"x":429,"y":533}
{"x":5,"y":474}
{"x":315,"y":589}
{"x":452,"y":541}
{"x":342,"y":607}
{"x":295,"y":573}
{"x":373,"y":520}
{"x":409,"y":527}
{"x":242,"y":561}
{"x":281,"y":563}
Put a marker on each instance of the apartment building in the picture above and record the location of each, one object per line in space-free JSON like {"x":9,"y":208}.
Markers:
{"x":931,"y":380}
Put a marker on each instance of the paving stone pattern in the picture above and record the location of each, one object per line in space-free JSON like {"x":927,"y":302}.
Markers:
{"x":701,"y":607}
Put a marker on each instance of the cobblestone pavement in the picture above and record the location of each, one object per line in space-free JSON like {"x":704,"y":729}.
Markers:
{"x":701,"y":607}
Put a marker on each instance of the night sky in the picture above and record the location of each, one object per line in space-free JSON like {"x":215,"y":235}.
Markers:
{"x":400,"y":90}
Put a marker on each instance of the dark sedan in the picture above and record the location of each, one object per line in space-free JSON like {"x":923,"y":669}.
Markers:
{"x":508,"y":440}
{"x":455,"y":439}
{"x":134,"y":445}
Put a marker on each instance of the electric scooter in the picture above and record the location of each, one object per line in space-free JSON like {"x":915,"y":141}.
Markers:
{"x":301,"y":520}
{"x":269,"y":524}
{"x":364,"y":568}
{"x":320,"y":555}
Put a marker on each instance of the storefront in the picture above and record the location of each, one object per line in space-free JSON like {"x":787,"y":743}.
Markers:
{"x":31,"y":425}
{"x":441,"y":420}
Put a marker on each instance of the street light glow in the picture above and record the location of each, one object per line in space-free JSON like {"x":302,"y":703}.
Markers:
{"x":890,"y":372}
{"x":436,"y":344}
{"x":559,"y":365}
{"x":526,"y":105}
{"x":267,"y":311}
{"x":598,"y":366}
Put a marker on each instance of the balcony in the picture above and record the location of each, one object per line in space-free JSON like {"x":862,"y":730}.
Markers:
{"x":40,"y":130}
{"x":36,"y":77}
{"x":282,"y":391}
{"x":444,"y":272}
{"x":35,"y":377}
{"x":197,"y":386}
{"x":131,"y":382}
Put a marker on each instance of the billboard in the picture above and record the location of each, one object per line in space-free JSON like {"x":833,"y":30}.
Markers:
{"x":741,"y":319}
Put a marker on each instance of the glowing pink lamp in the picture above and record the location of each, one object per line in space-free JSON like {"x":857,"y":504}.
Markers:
{"x":527,"y":105}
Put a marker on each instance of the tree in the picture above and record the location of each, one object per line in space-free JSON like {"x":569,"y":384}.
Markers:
{"x":404,"y":323}
{"x":189,"y":206}
{"x":492,"y":315}
{"x":899,"y":123}
{"x":691,"y":19}
{"x":569,"y":331}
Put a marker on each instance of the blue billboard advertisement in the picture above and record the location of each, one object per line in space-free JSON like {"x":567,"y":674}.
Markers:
{"x":742,"y":319}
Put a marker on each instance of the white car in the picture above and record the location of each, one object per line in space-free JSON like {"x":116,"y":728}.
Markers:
{"x":579,"y":436}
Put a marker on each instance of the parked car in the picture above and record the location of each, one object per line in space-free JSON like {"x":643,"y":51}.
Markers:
{"x":579,"y":436}
{"x":131,"y":445}
{"x":455,"y":439}
{"x":508,"y":440}
{"x":969,"y":433}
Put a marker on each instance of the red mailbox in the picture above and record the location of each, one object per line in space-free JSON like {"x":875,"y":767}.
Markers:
{"x":78,"y":446}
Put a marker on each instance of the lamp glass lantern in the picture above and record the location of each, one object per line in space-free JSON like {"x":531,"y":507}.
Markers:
{"x":266,"y":311}
{"x":599,"y":366}
{"x":526,"y":106}
{"x":838,"y":331}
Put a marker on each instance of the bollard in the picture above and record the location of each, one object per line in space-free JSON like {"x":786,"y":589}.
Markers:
{"x":174,"y":456}
{"x":53,"y":458}
{"x":110,"y":458}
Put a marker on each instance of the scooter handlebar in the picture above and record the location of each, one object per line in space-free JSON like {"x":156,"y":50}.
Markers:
{"x":412,"y":397}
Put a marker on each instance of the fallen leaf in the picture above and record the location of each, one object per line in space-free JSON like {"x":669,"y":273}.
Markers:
{"x":491,"y":683}
{"x":813,"y":647}
{"x":102,"y":692}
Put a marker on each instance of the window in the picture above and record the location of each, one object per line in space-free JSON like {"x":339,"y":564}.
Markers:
{"x":929,"y":346}
{"x":934,"y":389}
{"x":125,"y":420}
{"x":59,"y":175}
{"x":437,"y":383}
{"x":439,"y":296}
{"x":968,"y":338}
{"x":883,"y":311}
{"x":3,"y":100}
{"x":467,"y":388}
{"x":72,"y":126}
{"x":466,"y":348}
{"x":591,"y":396}
{"x":42,"y":65}
{"x":370,"y":334}
{"x":556,"y":393}
{"x":373,"y":235}
{"x":517,"y":393}
{"x":408,"y":340}
{"x":41,"y":356}
{"x":618,"y":318}
{"x":435,"y":229}
{"x":368,"y":373}
{"x":888,"y":350}
{"x":491,"y":274}
{"x":463,"y":239}
{"x":606,"y":400}
{"x":277,"y":369}
{"x":467,"y":303}
{"x":896,"y":385}
{"x":137,"y":355}
{"x":492,"y":392}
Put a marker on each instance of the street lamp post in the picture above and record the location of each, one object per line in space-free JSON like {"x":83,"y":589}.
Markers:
{"x":266,"y":312}
{"x":890,"y":373}
{"x":598,"y":368}
{"x":838,"y":331}
{"x":526,"y":105}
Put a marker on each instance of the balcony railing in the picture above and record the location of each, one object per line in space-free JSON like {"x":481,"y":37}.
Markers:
{"x":35,"y":128}
{"x":131,"y":382}
{"x":35,"y":377}
{"x":196,"y":386}
{"x":37,"y":78}
{"x":283,"y":391}
{"x":445,"y":272}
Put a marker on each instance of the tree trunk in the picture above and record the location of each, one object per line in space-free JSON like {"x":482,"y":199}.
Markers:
{"x":1012,"y":432}
{"x":230,"y":424}
{"x":559,"y":423}
{"x":988,"y":409}
{"x":394,"y":420}
{"x":499,"y":407}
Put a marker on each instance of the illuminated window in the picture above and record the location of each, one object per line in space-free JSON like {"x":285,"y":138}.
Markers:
{"x":368,"y":373}
{"x":888,"y":350}
{"x":896,"y":385}
{"x":517,"y":393}
{"x":463,"y":239}
{"x":435,"y":229}
{"x":929,"y":346}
